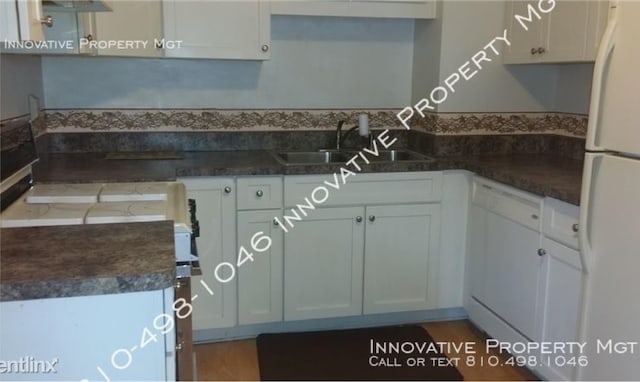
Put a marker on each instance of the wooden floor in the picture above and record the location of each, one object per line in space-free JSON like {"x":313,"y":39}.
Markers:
{"x":238,"y":360}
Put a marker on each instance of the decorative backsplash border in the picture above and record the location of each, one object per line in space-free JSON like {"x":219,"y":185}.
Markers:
{"x":574,"y":125}
{"x":211,"y":120}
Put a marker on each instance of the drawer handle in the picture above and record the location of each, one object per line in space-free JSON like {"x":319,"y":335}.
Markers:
{"x":359,"y":219}
{"x":534,"y":216}
{"x":227,"y":190}
{"x":542,"y":252}
{"x":259,"y":193}
{"x":372,"y":218}
{"x":575,"y":227}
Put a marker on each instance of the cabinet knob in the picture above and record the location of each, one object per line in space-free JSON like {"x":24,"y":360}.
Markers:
{"x":534,"y":216}
{"x":227,"y":190}
{"x":541,"y":50}
{"x":259,"y":193}
{"x":372,"y":218}
{"x":575,"y":227}
{"x":47,"y":20}
{"x":359,"y":219}
{"x":179,"y":347}
{"x":265,"y":48}
{"x":275,"y":222}
{"x":534,"y":50}
{"x":89,"y":37}
{"x":542,"y":252}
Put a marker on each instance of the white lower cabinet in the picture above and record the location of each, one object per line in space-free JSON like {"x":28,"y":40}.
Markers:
{"x":401,"y":258}
{"x":561,"y":292}
{"x":560,"y":287}
{"x":373,"y":247}
{"x":260,"y":281}
{"x":323,"y":264}
{"x":216,"y":211}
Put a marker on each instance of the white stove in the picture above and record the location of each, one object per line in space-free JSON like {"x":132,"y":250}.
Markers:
{"x":97,"y":203}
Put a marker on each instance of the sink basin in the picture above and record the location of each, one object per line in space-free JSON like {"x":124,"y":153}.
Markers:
{"x":311,"y":157}
{"x":333,"y":156}
{"x":396,"y":156}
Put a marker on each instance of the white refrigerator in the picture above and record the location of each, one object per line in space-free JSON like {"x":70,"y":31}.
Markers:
{"x":610,"y":205}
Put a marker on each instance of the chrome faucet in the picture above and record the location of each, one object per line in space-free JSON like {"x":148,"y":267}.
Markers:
{"x":339,"y":134}
{"x":340,"y":138}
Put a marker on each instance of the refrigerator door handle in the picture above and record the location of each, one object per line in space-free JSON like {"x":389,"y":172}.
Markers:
{"x":606,"y":46}
{"x":584,"y":220}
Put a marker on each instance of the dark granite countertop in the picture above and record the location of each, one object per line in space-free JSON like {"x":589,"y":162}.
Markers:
{"x":542,"y":174}
{"x":84,"y":260}
{"x":556,"y":177}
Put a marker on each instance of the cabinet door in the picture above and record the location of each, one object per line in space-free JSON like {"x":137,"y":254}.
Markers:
{"x":522,"y":40}
{"x":128,"y":21}
{"x":218,"y":29}
{"x":260,"y":281}
{"x":565,"y":31}
{"x":598,"y":18}
{"x":413,"y":9}
{"x":511,"y":272}
{"x":9,"y":28}
{"x":561,"y":297}
{"x":401,"y":258}
{"x":30,"y":18}
{"x":216,"y":211}
{"x":323,"y":264}
{"x":477,"y":252}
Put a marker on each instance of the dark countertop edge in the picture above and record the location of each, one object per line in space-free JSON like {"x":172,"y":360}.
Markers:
{"x":276,"y":167}
{"x":32,"y":290}
{"x":439,"y":164}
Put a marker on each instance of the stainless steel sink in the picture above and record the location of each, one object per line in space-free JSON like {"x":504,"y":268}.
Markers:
{"x":333,"y":156}
{"x":312,"y":157}
{"x":396,"y":156}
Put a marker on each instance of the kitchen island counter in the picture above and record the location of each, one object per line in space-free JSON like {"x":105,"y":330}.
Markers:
{"x":545,"y":175}
{"x":84,"y":260}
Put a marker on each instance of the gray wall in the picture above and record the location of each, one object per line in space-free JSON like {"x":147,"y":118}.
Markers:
{"x":326,"y":62}
{"x":466,"y":27}
{"x":20,"y":76}
{"x":574,"y":88}
{"x":316,"y":62}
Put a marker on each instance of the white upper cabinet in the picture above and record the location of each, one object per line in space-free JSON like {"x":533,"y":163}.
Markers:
{"x":21,"y":20}
{"x":539,"y":32}
{"x":218,"y":29}
{"x":131,"y":21}
{"x":412,"y":9}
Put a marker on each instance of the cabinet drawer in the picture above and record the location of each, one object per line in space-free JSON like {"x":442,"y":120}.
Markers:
{"x":386,"y":188}
{"x":259,"y":193}
{"x":521,"y":207}
{"x":560,"y":222}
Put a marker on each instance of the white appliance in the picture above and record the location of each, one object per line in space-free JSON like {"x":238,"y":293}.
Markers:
{"x":610,"y":205}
